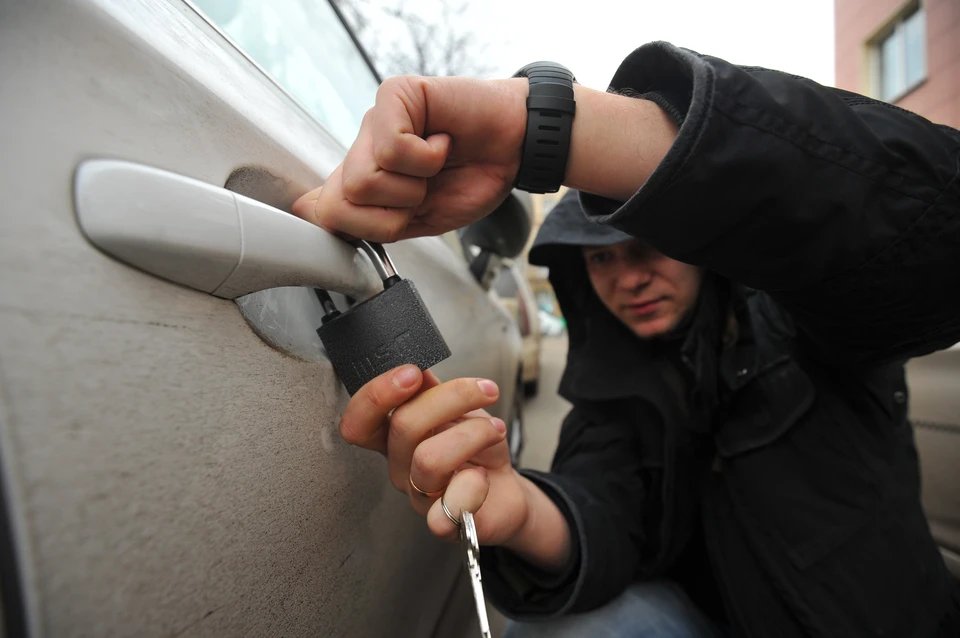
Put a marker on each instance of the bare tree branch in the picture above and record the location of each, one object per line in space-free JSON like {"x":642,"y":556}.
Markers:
{"x":431,"y":45}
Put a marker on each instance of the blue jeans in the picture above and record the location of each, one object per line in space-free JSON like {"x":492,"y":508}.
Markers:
{"x":658,"y":609}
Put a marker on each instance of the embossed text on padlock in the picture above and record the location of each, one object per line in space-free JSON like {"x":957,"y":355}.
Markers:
{"x":391,"y":328}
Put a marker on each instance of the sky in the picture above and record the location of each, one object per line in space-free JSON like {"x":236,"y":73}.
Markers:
{"x":592,"y":37}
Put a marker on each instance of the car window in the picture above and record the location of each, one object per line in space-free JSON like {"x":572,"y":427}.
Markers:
{"x":506,"y":284}
{"x":305,"y":48}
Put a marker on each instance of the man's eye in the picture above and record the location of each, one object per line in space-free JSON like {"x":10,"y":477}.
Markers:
{"x":599,"y":258}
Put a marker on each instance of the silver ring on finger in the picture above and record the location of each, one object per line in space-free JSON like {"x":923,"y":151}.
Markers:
{"x":446,"y":511}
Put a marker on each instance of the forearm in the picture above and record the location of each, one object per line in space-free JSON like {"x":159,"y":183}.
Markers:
{"x":544,"y":539}
{"x":616,"y":144}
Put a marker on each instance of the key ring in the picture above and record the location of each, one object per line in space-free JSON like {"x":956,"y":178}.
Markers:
{"x":446,"y":511}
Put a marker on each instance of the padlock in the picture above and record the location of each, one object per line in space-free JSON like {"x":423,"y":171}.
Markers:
{"x":387,"y":330}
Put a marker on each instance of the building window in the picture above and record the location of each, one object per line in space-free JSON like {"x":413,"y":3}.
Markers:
{"x":902,"y":54}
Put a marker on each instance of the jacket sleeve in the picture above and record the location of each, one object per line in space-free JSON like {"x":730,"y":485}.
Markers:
{"x":844,"y":209}
{"x":596,"y":482}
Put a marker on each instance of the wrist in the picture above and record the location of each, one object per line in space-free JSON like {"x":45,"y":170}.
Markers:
{"x":543,"y":538}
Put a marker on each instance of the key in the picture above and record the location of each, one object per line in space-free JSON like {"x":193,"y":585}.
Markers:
{"x":471,"y":547}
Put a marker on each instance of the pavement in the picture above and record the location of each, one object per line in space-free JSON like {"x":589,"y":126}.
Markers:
{"x":544,"y":413}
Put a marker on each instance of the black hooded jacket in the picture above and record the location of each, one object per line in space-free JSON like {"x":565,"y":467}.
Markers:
{"x":770,"y":470}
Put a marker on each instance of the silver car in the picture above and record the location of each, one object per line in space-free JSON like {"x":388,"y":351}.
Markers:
{"x":171,"y":464}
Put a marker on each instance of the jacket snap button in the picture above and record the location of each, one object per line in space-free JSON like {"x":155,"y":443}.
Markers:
{"x":742,"y":372}
{"x":900,"y":396}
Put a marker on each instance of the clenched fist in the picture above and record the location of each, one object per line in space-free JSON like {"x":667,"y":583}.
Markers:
{"x":433,"y":155}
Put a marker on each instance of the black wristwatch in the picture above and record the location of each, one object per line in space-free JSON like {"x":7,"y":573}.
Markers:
{"x":550,"y":111}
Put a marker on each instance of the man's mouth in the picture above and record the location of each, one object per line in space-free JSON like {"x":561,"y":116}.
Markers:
{"x":641,"y":308}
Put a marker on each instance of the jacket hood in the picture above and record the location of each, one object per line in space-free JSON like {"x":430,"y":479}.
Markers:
{"x":605,"y":359}
{"x":568,"y":226}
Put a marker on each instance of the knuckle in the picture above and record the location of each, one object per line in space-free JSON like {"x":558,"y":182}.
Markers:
{"x":473,"y":482}
{"x":389,"y":86}
{"x":401,"y":422}
{"x":387,"y":155}
{"x":426,"y":461}
{"x":483,"y":431}
{"x":393,"y":230}
{"x":350,"y":433}
{"x":329,"y":216}
{"x":356,"y":185}
{"x":374,"y":397}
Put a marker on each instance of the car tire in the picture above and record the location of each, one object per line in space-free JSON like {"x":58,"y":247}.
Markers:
{"x":531,"y":388}
{"x":515,"y":434}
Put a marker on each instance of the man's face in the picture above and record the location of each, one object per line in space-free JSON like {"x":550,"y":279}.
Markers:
{"x":646,"y":290}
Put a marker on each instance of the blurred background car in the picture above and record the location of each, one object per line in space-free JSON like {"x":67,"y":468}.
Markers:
{"x":550,"y":324}
{"x":171,"y":463}
{"x":515,"y":295}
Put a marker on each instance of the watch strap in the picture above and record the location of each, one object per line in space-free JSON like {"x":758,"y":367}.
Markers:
{"x":550,"y":111}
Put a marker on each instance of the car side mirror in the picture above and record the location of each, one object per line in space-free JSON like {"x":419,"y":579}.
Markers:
{"x":500,"y":235}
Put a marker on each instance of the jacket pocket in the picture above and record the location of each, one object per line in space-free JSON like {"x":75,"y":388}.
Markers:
{"x":765,"y":408}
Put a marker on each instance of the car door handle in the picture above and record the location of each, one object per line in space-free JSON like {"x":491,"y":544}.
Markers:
{"x":209,"y":238}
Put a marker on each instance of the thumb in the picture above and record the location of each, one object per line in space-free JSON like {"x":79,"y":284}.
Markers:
{"x":439,"y":143}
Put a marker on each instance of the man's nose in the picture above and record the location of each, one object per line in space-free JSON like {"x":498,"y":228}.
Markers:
{"x":636,"y":276}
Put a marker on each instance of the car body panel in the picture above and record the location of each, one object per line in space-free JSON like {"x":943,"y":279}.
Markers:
{"x":166,"y":470}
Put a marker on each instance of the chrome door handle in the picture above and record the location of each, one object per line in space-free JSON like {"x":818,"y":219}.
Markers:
{"x":209,"y":238}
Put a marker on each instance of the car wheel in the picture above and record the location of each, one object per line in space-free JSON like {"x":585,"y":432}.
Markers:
{"x":531,"y":388}
{"x":515,"y":426}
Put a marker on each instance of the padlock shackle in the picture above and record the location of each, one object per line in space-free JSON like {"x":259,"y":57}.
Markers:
{"x":379,"y":258}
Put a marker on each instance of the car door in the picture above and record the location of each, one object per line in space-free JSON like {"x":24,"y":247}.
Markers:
{"x":934,"y":381}
{"x":170,"y":460}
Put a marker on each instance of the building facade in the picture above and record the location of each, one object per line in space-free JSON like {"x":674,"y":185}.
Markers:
{"x":905,"y":53}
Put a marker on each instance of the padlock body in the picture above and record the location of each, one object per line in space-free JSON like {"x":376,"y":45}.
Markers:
{"x":387,"y":330}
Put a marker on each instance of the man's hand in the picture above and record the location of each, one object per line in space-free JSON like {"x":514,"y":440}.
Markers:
{"x":433,"y":155}
{"x":437,"y":436}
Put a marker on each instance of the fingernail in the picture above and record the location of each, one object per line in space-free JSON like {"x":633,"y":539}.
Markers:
{"x":500,"y":426}
{"x":489,"y":387}
{"x":406,"y":376}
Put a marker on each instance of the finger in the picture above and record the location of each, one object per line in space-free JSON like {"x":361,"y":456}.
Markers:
{"x":398,"y":124}
{"x":364,"y":421}
{"x":413,"y":421}
{"x":370,"y":186}
{"x":365,"y":183}
{"x":436,"y":460}
{"x":328,"y":208}
{"x":303,"y":207}
{"x":466,"y":492}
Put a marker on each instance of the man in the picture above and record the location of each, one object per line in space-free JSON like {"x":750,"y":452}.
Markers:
{"x":739,"y":434}
{"x":643,"y":331}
